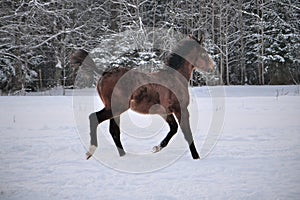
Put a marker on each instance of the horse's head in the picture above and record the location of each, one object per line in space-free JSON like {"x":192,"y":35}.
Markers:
{"x":198,"y":56}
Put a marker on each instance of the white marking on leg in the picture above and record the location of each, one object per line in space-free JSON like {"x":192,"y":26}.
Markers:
{"x":156,"y":149}
{"x":91,"y":151}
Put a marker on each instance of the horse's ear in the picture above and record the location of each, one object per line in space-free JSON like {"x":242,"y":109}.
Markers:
{"x":193,"y":37}
{"x":201,"y":39}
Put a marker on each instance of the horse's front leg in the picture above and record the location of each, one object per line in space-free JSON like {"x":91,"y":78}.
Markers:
{"x":183,"y":119}
{"x":95,"y":119}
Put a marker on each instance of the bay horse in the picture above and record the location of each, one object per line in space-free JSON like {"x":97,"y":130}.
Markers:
{"x":164,"y":92}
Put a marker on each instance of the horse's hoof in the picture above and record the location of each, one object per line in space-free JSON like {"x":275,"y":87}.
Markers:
{"x":122,"y":153}
{"x":196,"y":157}
{"x":156,"y":149}
{"x":91,"y":151}
{"x":88,"y":155}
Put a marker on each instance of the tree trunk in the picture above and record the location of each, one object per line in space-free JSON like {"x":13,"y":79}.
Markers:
{"x":226,"y":46}
{"x":221,"y":45}
{"x":114,"y":15}
{"x":262,"y":42}
{"x":242,"y":55}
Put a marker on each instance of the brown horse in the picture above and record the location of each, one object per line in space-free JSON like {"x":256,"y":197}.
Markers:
{"x":164,"y":92}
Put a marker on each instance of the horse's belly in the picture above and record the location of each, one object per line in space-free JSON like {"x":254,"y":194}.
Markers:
{"x":145,"y":107}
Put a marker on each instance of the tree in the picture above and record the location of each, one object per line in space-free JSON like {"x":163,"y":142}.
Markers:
{"x":282,"y":42}
{"x":251,"y":41}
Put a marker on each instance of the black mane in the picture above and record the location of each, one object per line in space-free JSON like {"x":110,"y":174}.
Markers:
{"x":176,"y":59}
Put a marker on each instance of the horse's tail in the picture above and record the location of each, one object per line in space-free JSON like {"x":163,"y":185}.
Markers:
{"x":98,"y":87}
{"x":100,"y":79}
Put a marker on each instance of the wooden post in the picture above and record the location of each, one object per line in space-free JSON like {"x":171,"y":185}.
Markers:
{"x":41,"y":79}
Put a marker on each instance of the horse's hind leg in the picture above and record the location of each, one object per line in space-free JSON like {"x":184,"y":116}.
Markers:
{"x":95,"y":119}
{"x":170,"y":119}
{"x":114,"y":130}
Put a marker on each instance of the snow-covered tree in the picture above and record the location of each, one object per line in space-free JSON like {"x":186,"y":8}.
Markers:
{"x":282,"y":39}
{"x":251,"y":41}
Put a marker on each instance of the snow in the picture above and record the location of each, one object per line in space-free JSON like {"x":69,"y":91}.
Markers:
{"x":256,"y":157}
{"x":58,"y":65}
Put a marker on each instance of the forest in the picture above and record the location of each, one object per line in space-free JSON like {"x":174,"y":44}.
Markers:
{"x":253,"y":42}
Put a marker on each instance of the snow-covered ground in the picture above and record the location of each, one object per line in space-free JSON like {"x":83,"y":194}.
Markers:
{"x":257,"y":156}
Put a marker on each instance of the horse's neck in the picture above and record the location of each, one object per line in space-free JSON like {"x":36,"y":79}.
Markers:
{"x":186,"y":70}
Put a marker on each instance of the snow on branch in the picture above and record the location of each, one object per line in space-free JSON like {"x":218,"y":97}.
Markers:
{"x":11,"y":55}
{"x":56,"y":35}
{"x":251,"y":14}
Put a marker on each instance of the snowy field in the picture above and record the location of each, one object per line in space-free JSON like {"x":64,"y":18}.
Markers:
{"x":257,"y":155}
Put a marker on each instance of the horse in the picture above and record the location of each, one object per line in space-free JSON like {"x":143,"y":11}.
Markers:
{"x":164,"y":92}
